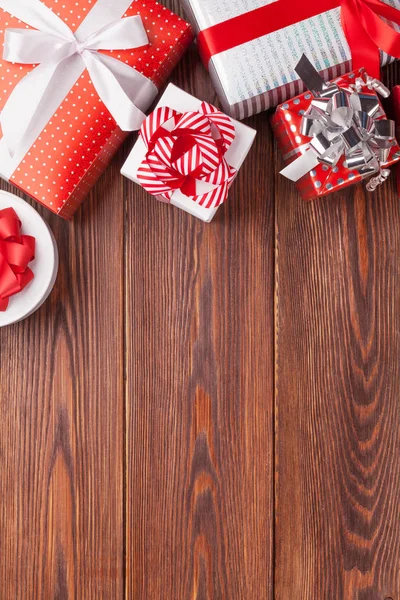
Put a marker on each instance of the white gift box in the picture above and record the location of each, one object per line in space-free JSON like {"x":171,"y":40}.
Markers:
{"x":44,"y":266}
{"x":181,"y":101}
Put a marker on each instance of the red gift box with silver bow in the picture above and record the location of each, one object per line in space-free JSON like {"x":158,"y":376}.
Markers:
{"x":337,"y":136}
{"x":188,"y":153}
{"x":76,"y":77}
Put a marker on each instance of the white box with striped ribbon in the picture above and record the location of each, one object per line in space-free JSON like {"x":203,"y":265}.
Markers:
{"x":181,"y":101}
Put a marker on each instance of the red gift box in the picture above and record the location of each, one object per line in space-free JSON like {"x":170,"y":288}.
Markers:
{"x":80,"y":137}
{"x":322,"y":180}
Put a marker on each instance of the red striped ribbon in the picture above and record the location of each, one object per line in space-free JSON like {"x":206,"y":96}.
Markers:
{"x":185,"y":151}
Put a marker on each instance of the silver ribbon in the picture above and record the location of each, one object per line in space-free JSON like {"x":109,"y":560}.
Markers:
{"x":62,"y":56}
{"x":344,"y":122}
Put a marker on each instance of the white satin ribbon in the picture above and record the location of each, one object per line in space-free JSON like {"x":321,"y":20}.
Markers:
{"x":62,"y":56}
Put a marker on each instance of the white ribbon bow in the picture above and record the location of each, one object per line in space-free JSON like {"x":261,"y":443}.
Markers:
{"x":62,"y":56}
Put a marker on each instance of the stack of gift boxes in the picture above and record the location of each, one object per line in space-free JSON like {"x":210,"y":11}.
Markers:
{"x":77,"y":77}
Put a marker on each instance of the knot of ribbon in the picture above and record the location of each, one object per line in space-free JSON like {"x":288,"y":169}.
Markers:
{"x":344,"y":123}
{"x":16,"y":252}
{"x":61,"y":57}
{"x":187,"y":152}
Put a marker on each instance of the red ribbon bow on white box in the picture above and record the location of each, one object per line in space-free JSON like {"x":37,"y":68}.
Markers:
{"x":186,"y":152}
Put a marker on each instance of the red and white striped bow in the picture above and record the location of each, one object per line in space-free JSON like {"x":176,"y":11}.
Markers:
{"x":186,"y":152}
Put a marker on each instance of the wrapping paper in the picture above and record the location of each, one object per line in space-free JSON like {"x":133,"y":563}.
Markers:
{"x":322,"y":180}
{"x":81,"y":137}
{"x":261,"y":74}
{"x":175,"y":99}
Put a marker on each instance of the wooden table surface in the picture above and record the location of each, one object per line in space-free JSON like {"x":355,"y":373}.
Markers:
{"x":208,"y":411}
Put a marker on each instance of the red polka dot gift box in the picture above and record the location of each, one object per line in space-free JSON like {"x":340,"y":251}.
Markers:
{"x":75,"y":78}
{"x":336,"y":134}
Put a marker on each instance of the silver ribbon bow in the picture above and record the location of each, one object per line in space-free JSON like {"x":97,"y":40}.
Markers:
{"x":344,"y":122}
{"x":62,"y":56}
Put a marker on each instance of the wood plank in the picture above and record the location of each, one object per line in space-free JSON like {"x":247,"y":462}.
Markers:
{"x":199,"y":390}
{"x":337,"y":402}
{"x":61,"y":427}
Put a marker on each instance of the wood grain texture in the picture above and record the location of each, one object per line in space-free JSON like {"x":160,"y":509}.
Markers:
{"x":208,"y":412}
{"x":61,"y":426}
{"x":337,"y":401}
{"x":199,"y":391}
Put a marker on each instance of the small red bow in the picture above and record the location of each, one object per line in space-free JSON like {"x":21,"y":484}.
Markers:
{"x":16,"y":252}
{"x":186,"y":152}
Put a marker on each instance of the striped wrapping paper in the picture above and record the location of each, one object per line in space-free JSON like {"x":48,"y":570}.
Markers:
{"x":260,"y":74}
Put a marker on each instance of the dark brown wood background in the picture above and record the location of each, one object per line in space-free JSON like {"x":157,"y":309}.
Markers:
{"x":208,"y":412}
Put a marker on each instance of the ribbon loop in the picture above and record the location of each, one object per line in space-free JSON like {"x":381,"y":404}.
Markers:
{"x":29,"y":46}
{"x":122,"y":34}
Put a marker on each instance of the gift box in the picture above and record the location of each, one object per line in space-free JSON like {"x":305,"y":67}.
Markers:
{"x":336,"y":135}
{"x":76,"y":77}
{"x":188,"y":154}
{"x":251,"y":48}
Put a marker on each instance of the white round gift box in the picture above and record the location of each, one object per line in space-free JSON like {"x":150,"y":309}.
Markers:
{"x":44,"y":266}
